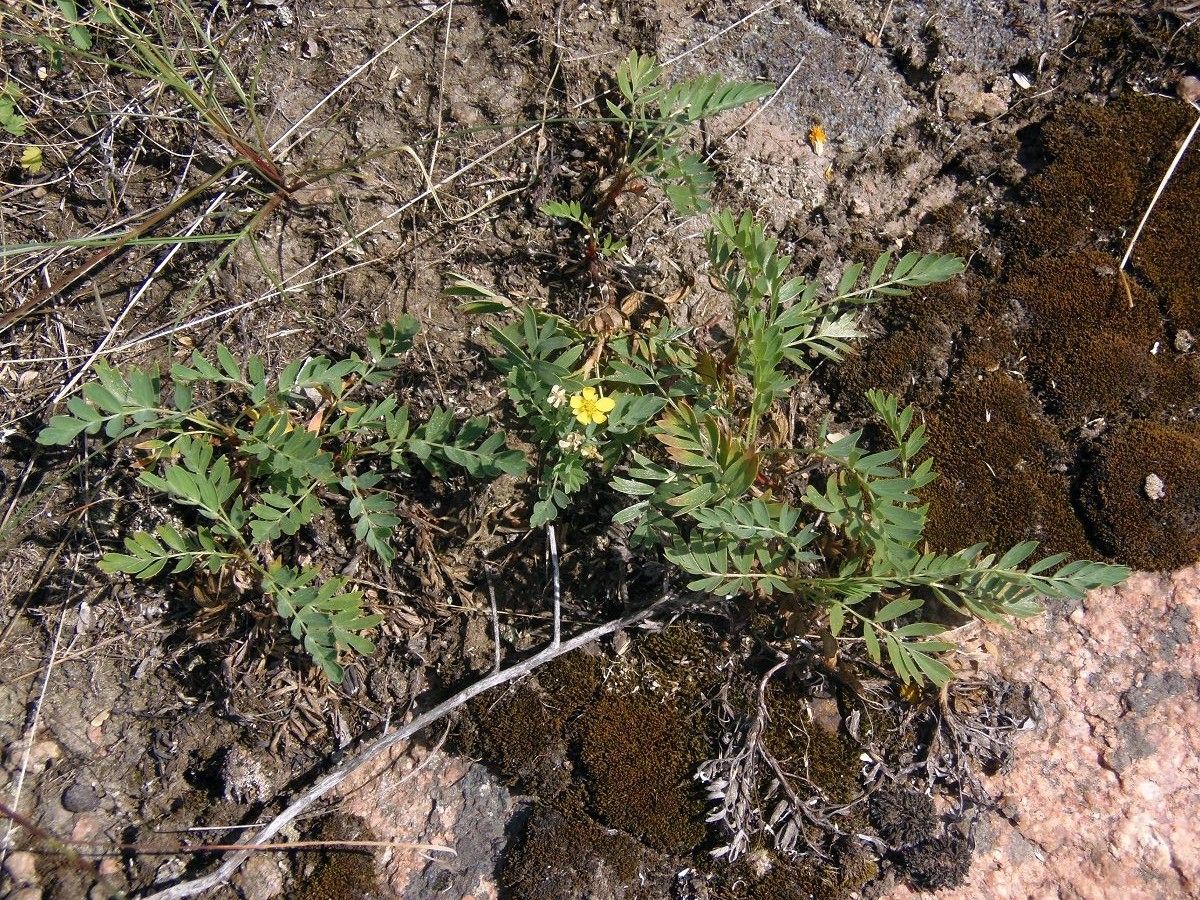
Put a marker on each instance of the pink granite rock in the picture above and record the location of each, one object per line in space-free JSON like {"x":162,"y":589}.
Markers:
{"x":1104,"y":792}
{"x":412,"y":795}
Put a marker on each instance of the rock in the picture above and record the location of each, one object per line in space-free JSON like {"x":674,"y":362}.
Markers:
{"x":42,"y":755}
{"x":80,"y":798}
{"x":109,"y":867}
{"x":1155,"y":489}
{"x":86,"y":829}
{"x":29,"y":893}
{"x":968,"y":101}
{"x":1188,"y":89}
{"x":247,"y":779}
{"x":21,"y":867}
{"x":1101,"y":796}
{"x":260,"y":878}
{"x":825,"y":713}
{"x":409,"y":796}
{"x":1184,"y":340}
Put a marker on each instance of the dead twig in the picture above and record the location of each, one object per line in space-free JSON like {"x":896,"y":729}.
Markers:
{"x":556,"y":636}
{"x":18,"y":787}
{"x":491,"y":590}
{"x":380,"y":745}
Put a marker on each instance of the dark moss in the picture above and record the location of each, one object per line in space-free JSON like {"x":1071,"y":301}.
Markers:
{"x":522,"y":732}
{"x":560,"y":856}
{"x":1061,"y":293}
{"x":938,"y":863}
{"x":1099,"y":171}
{"x":639,"y":757}
{"x":909,"y":363}
{"x":913,"y":358}
{"x":1088,"y":337}
{"x":1167,"y":251}
{"x":1003,"y":471}
{"x":788,"y":882}
{"x":570,"y":681}
{"x":347,"y":874}
{"x":1146,"y":533}
{"x":811,"y":750}
{"x":902,"y":816}
{"x":794,"y":879}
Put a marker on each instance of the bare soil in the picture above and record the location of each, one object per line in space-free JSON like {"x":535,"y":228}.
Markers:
{"x":143,"y":714}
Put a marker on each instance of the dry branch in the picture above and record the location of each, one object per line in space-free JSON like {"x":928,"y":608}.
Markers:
{"x":325,"y":784}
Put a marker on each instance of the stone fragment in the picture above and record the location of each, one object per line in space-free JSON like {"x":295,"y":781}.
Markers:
{"x":260,"y":878}
{"x":21,"y":867}
{"x":1102,"y":793}
{"x":1154,"y":487}
{"x":80,"y":798}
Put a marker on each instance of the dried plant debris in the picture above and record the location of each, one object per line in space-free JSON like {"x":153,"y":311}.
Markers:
{"x":790,"y":796}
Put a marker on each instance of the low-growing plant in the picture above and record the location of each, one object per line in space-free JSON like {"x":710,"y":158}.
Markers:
{"x":691,"y":430}
{"x":11,"y":119}
{"x":653,"y":120}
{"x":248,"y":460}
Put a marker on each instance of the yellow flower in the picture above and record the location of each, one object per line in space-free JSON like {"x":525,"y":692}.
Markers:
{"x":590,"y":408}
{"x":817,"y":139}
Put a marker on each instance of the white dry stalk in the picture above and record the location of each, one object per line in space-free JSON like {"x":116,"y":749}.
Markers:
{"x":1162,"y":185}
{"x":274,"y":148}
{"x":557,"y":629}
{"x":19,"y":786}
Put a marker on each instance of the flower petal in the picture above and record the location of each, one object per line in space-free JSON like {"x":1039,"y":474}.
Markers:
{"x":606,"y":404}
{"x":576,"y":402}
{"x":589,"y":394}
{"x":583,"y":417}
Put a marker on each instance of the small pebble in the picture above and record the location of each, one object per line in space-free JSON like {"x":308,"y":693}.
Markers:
{"x":21,"y":867}
{"x":1184,"y":340}
{"x":1188,"y":89}
{"x":80,"y":798}
{"x":109,"y":867}
{"x":1155,"y":489}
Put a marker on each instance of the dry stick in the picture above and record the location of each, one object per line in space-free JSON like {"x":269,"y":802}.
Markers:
{"x":276,"y":293}
{"x":33,"y":726}
{"x":724,"y":31}
{"x":557,"y":632}
{"x":774,"y":96}
{"x":491,"y":590}
{"x":374,"y":749}
{"x":133,"y":302}
{"x":143,"y":850}
{"x":1162,"y":185}
{"x":39,"y":299}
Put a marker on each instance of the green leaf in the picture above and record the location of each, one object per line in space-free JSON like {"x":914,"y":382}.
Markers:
{"x":837,"y":618}
{"x":872,"y":641}
{"x":898,"y":608}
